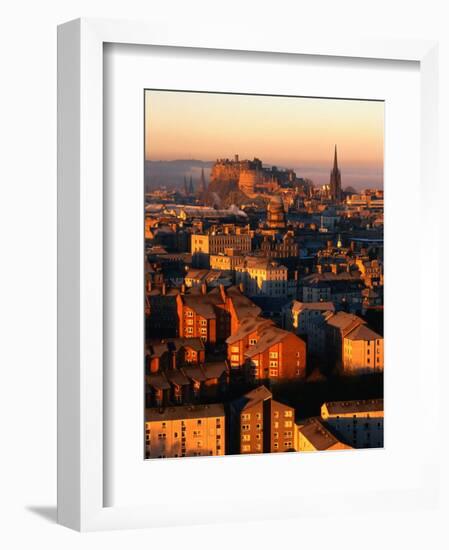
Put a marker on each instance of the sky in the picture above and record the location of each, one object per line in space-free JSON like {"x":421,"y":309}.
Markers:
{"x":289,"y":132}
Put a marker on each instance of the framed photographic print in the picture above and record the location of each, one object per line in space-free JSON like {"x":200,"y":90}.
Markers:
{"x":231,"y":282}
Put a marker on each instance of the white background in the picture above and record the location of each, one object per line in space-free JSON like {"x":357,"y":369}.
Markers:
{"x":132,"y":481}
{"x":28,"y":274}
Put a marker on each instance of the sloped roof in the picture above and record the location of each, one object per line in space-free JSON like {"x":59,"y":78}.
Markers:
{"x":343,"y":320}
{"x":362,"y":332}
{"x":317,"y":434}
{"x":269,"y":336}
{"x":247,"y":326}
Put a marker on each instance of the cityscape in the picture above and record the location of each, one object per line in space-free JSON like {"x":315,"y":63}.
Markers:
{"x":263,"y":276}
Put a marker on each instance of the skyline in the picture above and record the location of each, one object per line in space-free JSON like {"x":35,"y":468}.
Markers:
{"x":290,"y":132}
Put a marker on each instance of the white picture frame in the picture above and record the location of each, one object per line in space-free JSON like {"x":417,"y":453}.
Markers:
{"x":81,"y":489}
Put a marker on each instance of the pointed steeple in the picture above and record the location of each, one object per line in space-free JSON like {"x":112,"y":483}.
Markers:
{"x":186,"y":191}
{"x":335,"y":180}
{"x":191,"y":186}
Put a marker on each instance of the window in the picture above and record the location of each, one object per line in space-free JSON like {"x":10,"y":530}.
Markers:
{"x":273,"y":372}
{"x":288,"y":424}
{"x":276,"y":414}
{"x":287,"y":434}
{"x":258,"y":416}
{"x":287,"y":443}
{"x":245,"y":427}
{"x":203,"y":323}
{"x":273,"y":354}
{"x":258,"y":426}
{"x":273,"y":364}
{"x":276,"y":445}
{"x":288,"y":414}
{"x":252,"y":341}
{"x":245,"y":416}
{"x":246,"y":437}
{"x":189,"y":330}
{"x":235,"y":358}
{"x":235,"y":349}
{"x":203,"y":330}
{"x":246,"y":448}
{"x":190,"y":321}
{"x":276,"y":435}
{"x":189,"y":313}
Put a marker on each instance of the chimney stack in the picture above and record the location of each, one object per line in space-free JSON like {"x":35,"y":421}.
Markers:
{"x":203,"y":288}
{"x":164,"y":289}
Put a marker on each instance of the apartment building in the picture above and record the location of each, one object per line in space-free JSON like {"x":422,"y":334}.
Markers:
{"x":358,"y":423}
{"x":259,"y":424}
{"x":197,"y":430}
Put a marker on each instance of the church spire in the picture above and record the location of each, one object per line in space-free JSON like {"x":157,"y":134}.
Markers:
{"x":335,"y":180}
{"x":335,"y":158}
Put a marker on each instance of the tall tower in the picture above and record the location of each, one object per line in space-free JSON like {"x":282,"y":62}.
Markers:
{"x":335,"y":181}
{"x":186,"y":189}
{"x":191,"y":190}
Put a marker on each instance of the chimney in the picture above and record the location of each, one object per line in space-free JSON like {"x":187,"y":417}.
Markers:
{"x":203,"y":288}
{"x":164,"y":289}
{"x":149,"y":285}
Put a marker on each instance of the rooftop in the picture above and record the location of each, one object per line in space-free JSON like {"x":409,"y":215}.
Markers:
{"x":365,"y":405}
{"x":362,"y":332}
{"x":184,"y":412}
{"x":319,"y":436}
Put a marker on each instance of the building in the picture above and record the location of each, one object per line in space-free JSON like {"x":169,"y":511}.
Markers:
{"x":217,"y":243}
{"x":185,"y":431}
{"x":263,"y":277}
{"x":306,"y":319}
{"x":276,"y":213}
{"x":280,"y":247}
{"x":273,"y":354}
{"x":210,"y":277}
{"x":358,"y":423}
{"x":226,"y":261}
{"x":314,"y":436}
{"x":363,"y":351}
{"x":335,"y":193}
{"x":212,"y":315}
{"x":246,"y":336}
{"x":337,"y":327}
{"x":161,"y":311}
{"x":259,"y":424}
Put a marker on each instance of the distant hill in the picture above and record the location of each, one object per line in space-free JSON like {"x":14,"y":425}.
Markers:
{"x":170,"y":173}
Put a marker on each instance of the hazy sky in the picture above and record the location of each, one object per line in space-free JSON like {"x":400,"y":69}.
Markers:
{"x":290,"y":132}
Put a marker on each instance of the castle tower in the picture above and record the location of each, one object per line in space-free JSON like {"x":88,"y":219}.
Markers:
{"x":335,"y":181}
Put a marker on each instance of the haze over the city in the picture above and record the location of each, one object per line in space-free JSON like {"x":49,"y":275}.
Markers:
{"x":290,"y":132}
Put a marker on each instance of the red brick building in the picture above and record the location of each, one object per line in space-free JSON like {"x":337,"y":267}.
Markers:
{"x":214,"y":315}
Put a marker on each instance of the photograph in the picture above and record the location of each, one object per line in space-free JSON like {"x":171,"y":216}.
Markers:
{"x":264,"y":274}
